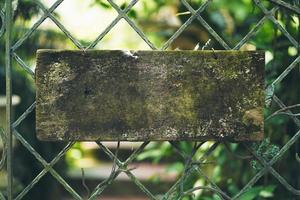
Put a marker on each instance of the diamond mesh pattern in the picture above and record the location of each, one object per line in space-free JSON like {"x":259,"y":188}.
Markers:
{"x":190,"y":160}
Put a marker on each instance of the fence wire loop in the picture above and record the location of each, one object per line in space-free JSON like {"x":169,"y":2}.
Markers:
{"x":281,"y":111}
{"x":3,"y":140}
{"x":191,"y":192}
{"x":84,"y":183}
{"x":2,"y":18}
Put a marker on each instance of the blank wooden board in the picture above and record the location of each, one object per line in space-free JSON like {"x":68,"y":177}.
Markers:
{"x":113,"y":95}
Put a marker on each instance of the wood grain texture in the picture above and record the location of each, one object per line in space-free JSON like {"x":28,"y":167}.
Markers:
{"x":149,"y":95}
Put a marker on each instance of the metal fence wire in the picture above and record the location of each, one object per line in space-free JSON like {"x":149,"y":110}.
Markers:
{"x":191,"y":163}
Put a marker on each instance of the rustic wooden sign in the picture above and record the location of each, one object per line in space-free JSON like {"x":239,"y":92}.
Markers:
{"x":149,"y":95}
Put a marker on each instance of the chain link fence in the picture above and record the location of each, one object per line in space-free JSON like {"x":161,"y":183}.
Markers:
{"x":192,"y":164}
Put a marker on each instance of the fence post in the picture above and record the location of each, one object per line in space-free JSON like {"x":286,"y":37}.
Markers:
{"x":8,"y":23}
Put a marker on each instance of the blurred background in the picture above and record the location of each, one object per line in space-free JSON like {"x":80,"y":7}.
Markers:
{"x":159,"y":165}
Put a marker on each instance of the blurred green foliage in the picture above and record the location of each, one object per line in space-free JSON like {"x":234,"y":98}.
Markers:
{"x":232,"y":20}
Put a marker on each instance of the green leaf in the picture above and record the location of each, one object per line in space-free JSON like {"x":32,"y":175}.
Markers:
{"x":153,"y":153}
{"x":123,"y":6}
{"x":175,"y":167}
{"x":132,"y":14}
{"x":268,"y":191}
{"x":104,"y":5}
{"x":259,"y":191}
{"x":251,"y":193}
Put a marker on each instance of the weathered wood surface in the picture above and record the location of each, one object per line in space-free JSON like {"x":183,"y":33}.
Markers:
{"x":149,"y":95}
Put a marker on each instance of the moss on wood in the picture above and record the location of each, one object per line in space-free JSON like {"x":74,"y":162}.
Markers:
{"x":149,"y":95}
